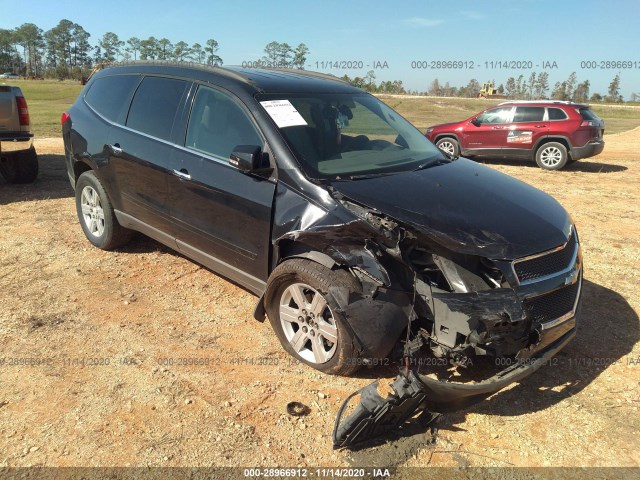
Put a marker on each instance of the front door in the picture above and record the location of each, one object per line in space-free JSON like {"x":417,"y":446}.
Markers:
{"x":221,"y":216}
{"x":489,"y":131}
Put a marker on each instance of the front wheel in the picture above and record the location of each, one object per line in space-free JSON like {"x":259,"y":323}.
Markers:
{"x":96,"y":215}
{"x":552,"y":156}
{"x":449,"y":146}
{"x":306,"y":317}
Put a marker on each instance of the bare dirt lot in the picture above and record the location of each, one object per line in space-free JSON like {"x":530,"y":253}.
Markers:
{"x":140,"y":357}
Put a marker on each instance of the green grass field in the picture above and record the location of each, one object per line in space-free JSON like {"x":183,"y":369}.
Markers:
{"x":47,"y":99}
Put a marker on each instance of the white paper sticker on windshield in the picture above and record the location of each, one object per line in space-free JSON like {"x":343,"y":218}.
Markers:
{"x":283,"y":113}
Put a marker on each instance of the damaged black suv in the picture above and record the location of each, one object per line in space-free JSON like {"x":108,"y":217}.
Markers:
{"x":357,"y":234}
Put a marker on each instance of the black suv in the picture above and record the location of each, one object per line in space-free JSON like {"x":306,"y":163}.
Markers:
{"x":357,"y":234}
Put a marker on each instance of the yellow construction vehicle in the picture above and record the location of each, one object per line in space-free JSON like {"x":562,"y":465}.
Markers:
{"x":488,"y":90}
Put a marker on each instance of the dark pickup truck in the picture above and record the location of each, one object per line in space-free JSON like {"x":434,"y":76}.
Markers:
{"x":18,"y":158}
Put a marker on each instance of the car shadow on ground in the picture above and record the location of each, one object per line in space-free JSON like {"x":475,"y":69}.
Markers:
{"x":586,"y":166}
{"x":52,"y":183}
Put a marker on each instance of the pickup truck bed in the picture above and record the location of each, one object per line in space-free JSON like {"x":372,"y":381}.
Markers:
{"x":18,"y":159}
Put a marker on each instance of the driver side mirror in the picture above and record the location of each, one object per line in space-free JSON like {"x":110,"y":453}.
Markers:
{"x":476,"y":122}
{"x":250,"y":159}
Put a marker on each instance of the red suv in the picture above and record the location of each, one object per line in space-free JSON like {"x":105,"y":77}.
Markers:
{"x":553,"y":133}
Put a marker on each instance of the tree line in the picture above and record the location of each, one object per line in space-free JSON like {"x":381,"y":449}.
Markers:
{"x":65,"y":51}
{"x":535,"y":87}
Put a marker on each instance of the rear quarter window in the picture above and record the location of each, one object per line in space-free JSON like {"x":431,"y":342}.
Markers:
{"x":110,"y":95}
{"x":155,"y":105}
{"x":557,"y":114}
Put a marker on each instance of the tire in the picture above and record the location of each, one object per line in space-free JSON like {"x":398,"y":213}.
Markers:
{"x":21,"y":167}
{"x":552,"y":156}
{"x":96,"y":215}
{"x":323,"y":340}
{"x":449,"y":146}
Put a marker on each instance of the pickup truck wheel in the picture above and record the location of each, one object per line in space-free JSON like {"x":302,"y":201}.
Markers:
{"x":96,"y":214}
{"x":306,"y":317}
{"x":449,"y":146}
{"x":552,"y":156}
{"x":20,"y":167}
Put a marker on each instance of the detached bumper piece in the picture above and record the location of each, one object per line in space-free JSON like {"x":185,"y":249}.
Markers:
{"x":376,"y":416}
{"x":415,"y":394}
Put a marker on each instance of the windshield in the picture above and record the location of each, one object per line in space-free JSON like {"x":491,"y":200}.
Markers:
{"x":344,"y":136}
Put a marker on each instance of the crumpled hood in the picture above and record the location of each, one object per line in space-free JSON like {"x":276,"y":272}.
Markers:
{"x":468,"y":208}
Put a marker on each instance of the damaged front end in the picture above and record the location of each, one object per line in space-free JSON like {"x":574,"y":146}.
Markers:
{"x":518,"y":312}
{"x":434,"y":299}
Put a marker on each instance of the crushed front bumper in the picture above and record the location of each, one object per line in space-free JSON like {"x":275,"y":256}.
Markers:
{"x":416,"y":394}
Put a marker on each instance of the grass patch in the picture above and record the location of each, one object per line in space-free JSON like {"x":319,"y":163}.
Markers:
{"x":47,"y":99}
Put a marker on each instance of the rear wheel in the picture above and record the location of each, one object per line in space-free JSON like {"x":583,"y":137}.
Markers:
{"x":96,"y":214}
{"x":552,"y":156}
{"x":306,"y":317}
{"x":20,"y":167}
{"x":449,"y":146}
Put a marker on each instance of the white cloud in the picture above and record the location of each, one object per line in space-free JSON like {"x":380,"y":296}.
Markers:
{"x":424,"y":22}
{"x":473,"y":15}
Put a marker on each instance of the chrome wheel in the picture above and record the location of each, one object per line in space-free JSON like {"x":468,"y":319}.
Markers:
{"x":447,"y":147}
{"x":92,"y":212}
{"x":551,"y":156}
{"x":308,"y":323}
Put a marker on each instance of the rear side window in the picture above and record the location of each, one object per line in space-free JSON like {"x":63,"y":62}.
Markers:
{"x":557,"y":114}
{"x":529,"y":114}
{"x":108,"y":95}
{"x":154,"y":106}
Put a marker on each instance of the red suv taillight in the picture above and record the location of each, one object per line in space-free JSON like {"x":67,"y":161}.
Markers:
{"x":64,"y":117}
{"x":589,"y":123}
{"x":23,"y":111}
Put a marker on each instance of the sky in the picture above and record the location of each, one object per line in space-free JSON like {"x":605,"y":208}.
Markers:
{"x":403,"y":40}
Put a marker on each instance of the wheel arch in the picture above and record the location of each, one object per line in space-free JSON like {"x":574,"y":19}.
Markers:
{"x":555,"y":138}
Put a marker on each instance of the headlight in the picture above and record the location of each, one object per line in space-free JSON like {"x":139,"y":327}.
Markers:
{"x":428,"y":131}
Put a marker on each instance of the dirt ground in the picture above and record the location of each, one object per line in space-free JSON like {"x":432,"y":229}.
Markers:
{"x":143,"y":358}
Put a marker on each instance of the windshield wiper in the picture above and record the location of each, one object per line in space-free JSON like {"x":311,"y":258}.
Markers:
{"x":434,"y":163}
{"x":369,"y":175}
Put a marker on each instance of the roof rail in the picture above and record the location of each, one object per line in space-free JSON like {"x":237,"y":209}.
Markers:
{"x":172,"y":63}
{"x":559,"y":102}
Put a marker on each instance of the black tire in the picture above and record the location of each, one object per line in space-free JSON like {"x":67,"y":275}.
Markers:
{"x":98,"y":222}
{"x":21,"y":167}
{"x":293,"y":274}
{"x":552,"y":156}
{"x":449,"y":146}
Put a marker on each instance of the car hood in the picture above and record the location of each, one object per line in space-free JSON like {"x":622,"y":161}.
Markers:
{"x":468,"y":208}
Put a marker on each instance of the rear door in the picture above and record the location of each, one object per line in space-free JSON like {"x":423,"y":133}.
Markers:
{"x":528,"y":125}
{"x":221,"y":216}
{"x":490,"y":131}
{"x":140,"y":151}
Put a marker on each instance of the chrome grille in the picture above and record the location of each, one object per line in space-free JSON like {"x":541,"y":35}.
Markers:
{"x":546,"y":263}
{"x":551,"y":306}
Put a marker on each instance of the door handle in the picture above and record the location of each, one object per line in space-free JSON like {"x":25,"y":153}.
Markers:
{"x":498,"y":128}
{"x":541,"y":126}
{"x":182,"y":173}
{"x":115,"y":149}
